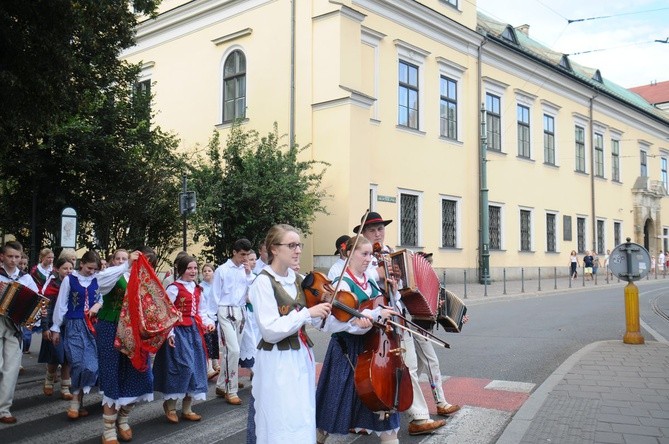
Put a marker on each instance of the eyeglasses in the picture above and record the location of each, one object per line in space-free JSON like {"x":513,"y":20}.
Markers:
{"x":293,"y":245}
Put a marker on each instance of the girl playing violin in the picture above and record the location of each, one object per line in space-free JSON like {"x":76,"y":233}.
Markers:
{"x":284,"y":371}
{"x":338,"y":406}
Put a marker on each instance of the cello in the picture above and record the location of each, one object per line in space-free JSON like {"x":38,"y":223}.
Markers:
{"x":382,"y":378}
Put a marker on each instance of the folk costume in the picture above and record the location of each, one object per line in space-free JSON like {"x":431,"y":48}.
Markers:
{"x":250,"y":338}
{"x":338,"y":406}
{"x":285,"y":373}
{"x":10,"y":347}
{"x":230,"y":288}
{"x":48,"y":352}
{"x":181,"y":371}
{"x":121,"y":383}
{"x":211,"y":337}
{"x":77,"y":294}
{"x":40,"y":275}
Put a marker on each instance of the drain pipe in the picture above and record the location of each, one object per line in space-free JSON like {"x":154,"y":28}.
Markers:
{"x":592,"y":175}
{"x":291,"y":118}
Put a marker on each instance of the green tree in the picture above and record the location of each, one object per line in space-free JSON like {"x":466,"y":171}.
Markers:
{"x":250,"y":185}
{"x":74,"y":131}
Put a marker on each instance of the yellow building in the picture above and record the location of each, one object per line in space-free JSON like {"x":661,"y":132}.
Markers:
{"x":389,"y":92}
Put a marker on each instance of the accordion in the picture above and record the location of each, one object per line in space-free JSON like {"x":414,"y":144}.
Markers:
{"x":427,"y":301}
{"x":20,"y":304}
{"x":418,"y":284}
{"x":451,"y":311}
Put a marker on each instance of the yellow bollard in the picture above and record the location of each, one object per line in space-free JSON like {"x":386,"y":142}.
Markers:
{"x":633,"y":334}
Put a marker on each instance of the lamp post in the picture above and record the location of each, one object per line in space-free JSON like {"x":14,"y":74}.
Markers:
{"x":187,"y":205}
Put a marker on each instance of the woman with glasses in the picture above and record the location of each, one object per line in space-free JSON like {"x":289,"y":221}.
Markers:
{"x":284,"y":382}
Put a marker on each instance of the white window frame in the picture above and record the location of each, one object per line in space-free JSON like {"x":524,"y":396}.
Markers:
{"x":586,"y":232}
{"x":502,"y":224}
{"x":532,"y":230}
{"x":622,"y":231}
{"x":584,"y":123}
{"x":416,"y":56}
{"x":373,"y":39}
{"x":454,"y":72}
{"x":497,"y":88}
{"x":558,"y":231}
{"x":373,"y":196}
{"x":221,"y":83}
{"x":458,"y":220}
{"x":550,"y":109}
{"x":604,"y":235}
{"x":419,"y":216}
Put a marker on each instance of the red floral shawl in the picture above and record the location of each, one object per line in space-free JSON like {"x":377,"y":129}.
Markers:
{"x":147,"y":315}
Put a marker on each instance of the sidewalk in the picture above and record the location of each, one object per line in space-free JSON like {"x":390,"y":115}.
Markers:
{"x":607,"y":392}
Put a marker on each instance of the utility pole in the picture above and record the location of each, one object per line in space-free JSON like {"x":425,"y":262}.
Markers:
{"x":484,"y":250}
{"x":187,"y":205}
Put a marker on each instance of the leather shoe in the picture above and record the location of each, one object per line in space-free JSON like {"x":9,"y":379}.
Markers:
{"x":240,"y":385}
{"x":220,"y":392}
{"x":8,"y":420}
{"x":124,"y":435}
{"x":192,"y":416}
{"x":233,"y":399}
{"x":171,"y":415}
{"x":445,"y":411}
{"x":426,"y":427}
{"x":72,"y":414}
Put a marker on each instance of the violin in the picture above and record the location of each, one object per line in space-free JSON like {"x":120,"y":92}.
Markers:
{"x":317,"y":287}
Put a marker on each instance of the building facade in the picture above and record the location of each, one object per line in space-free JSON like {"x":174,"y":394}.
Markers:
{"x":391,"y":93}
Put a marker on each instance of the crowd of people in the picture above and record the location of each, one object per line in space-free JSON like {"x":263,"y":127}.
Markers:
{"x":249,"y":312}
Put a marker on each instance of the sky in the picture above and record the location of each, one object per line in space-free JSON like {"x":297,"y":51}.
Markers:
{"x":622,"y":46}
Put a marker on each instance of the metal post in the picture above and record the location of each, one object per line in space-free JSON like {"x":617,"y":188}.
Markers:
{"x":570,"y":278}
{"x":583,"y":275}
{"x":522,"y":280}
{"x":185,"y":222}
{"x":594,"y":277}
{"x":465,"y":283}
{"x":504,"y":279}
{"x":632,"y":334}
{"x":554,"y":278}
{"x":539,"y":279}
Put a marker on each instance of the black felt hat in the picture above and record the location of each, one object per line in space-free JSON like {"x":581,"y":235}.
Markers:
{"x":373,"y":219}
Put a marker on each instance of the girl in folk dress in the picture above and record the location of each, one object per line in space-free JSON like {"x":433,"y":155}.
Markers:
{"x":284,"y":379}
{"x":76,"y":309}
{"x":42,"y":271}
{"x":121,"y":383}
{"x":50,"y":354}
{"x":180,"y":367}
{"x":210,"y":337}
{"x":250,"y":335}
{"x":338,"y":406}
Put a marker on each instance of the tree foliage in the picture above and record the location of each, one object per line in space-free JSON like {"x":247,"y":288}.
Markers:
{"x":75,"y":132}
{"x":250,"y":185}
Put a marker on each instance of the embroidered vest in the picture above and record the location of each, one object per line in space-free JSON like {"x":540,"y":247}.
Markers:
{"x":286,"y":304}
{"x":38,"y":277}
{"x":112,"y":302}
{"x":51,"y":292}
{"x":359,"y":292}
{"x":76,"y":301}
{"x":187,"y":303}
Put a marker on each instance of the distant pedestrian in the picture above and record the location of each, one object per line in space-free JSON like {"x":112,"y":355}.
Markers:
{"x":660,"y":261}
{"x":588,"y":261}
{"x":573,"y":264}
{"x":595,"y":265}
{"x":606,"y":264}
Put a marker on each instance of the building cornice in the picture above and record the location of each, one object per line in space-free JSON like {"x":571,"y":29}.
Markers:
{"x":232,"y":36}
{"x":425,"y":21}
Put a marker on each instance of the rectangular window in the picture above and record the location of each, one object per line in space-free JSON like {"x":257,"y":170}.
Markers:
{"x":566,"y":228}
{"x":408,"y":95}
{"x":549,"y":139}
{"x":599,"y":155}
{"x":600,"y":237}
{"x":644,"y":163}
{"x":493,"y":122}
{"x":448,"y":108}
{"x":580,"y":234}
{"x":617,"y":233}
{"x":615,"y":160}
{"x":665,"y":179}
{"x":550,"y":232}
{"x":408,"y":219}
{"x":452,"y":2}
{"x":525,"y":230}
{"x":142,"y":92}
{"x":495,"y":227}
{"x":580,"y":149}
{"x":449,"y":234}
{"x":523,"y":115}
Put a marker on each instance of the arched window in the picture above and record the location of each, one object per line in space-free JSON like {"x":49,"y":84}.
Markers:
{"x":234,"y":87}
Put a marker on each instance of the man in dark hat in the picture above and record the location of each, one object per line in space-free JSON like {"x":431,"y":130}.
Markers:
{"x":340,"y":249}
{"x":374,"y":229}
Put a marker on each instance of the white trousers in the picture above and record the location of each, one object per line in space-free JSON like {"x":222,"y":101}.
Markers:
{"x":10,"y":363}
{"x":418,"y":409}
{"x":428,"y":363}
{"x":230,"y":323}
